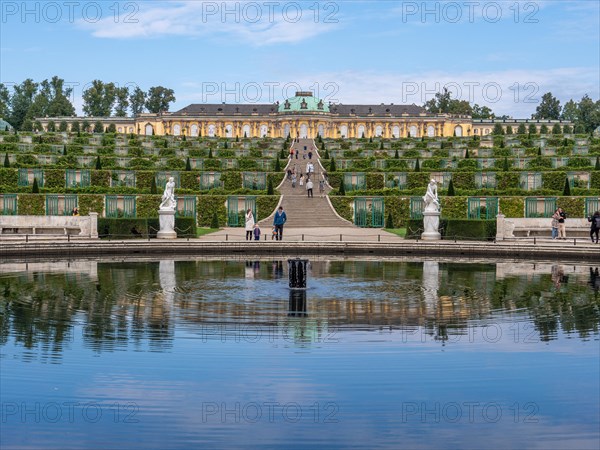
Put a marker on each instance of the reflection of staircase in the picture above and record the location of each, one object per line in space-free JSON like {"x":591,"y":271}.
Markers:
{"x":301,"y":211}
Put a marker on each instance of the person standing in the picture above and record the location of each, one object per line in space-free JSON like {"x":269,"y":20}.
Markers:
{"x":301,"y":180}
{"x":256,"y":232}
{"x":595,"y":226}
{"x":555,"y":224}
{"x":279,"y":221}
{"x":293,"y":180}
{"x":562,"y":216}
{"x":309,"y":188}
{"x":321,"y":186}
{"x":249,"y":224}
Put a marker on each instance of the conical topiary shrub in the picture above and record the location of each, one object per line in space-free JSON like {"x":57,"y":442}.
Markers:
{"x":396,"y":155}
{"x":597,"y":163}
{"x":188,"y":165}
{"x":35,"y":189}
{"x":277,"y":165}
{"x":270,"y":187}
{"x":7,"y":161}
{"x":153,"y":188}
{"x":332,"y":165}
{"x":451,"y":188}
{"x":214,"y":223}
{"x":417,"y":166}
{"x":567,"y":188}
{"x":98,"y":163}
{"x":389,"y":223}
{"x":342,"y":190}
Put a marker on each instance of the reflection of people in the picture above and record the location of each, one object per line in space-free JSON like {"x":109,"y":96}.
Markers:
{"x":431,"y":199}
{"x":558,"y":275}
{"x":278,"y":221}
{"x":595,"y":279}
{"x":168,"y":198}
{"x":249,"y":224}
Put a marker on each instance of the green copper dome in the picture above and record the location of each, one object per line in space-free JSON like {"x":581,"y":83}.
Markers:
{"x":303,"y":102}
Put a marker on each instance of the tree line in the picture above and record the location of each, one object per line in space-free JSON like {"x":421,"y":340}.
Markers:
{"x":584,"y":114}
{"x":51,"y":98}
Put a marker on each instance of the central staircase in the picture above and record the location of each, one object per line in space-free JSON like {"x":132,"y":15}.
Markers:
{"x":301,"y":211}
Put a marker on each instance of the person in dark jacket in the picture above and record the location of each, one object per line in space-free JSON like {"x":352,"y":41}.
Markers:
{"x":562,"y":216}
{"x":278,"y":222}
{"x":595,"y":225}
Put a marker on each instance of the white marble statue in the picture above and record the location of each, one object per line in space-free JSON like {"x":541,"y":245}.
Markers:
{"x":431,"y":199}
{"x":168,"y":198}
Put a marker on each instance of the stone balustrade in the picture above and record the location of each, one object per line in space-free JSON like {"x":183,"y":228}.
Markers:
{"x":80,"y":226}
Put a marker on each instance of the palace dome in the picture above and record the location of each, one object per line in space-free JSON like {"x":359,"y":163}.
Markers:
{"x":303,"y":102}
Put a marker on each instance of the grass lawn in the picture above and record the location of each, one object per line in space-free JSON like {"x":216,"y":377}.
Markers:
{"x":203,"y":231}
{"x":399,"y":231}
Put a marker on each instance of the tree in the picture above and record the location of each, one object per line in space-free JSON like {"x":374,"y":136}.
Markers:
{"x":417,"y":166}
{"x":4,"y":101}
{"x":21,"y":102}
{"x":270,"y":187}
{"x":63,"y":126}
{"x":522,"y":129}
{"x":482,"y":112}
{"x":498,"y":130}
{"x":51,"y":126}
{"x":532,"y":129}
{"x":467,"y":153}
{"x":509,"y":130}
{"x":569,"y":111}
{"x":153,"y":188}
{"x":85,"y":126}
{"x":588,"y":114}
{"x":505,"y":166}
{"x":549,"y":108}
{"x":451,"y":189}
{"x":396,"y":155}
{"x":111,"y":128}
{"x":98,"y":163}
{"x":567,"y":188}
{"x":64,"y":150}
{"x":277,"y":165}
{"x":342,"y":189}
{"x":544,"y":129}
{"x":98,"y":99}
{"x":98,"y":127}
{"x":122,"y":99}
{"x":159,"y":98}
{"x":214,"y":223}
{"x":556,"y":129}
{"x":75,"y":127}
{"x":442,"y":103}
{"x":7,"y":161}
{"x":35,"y":189}
{"x":137,"y":101}
{"x":567,"y":129}
{"x":210,"y":155}
{"x":381,"y":146}
{"x":326,"y":155}
{"x":597,"y":167}
{"x":332,"y":167}
{"x":188,"y":165}
{"x":389,"y":223}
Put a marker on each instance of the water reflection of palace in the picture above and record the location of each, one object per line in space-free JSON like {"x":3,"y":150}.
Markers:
{"x":117,"y":303}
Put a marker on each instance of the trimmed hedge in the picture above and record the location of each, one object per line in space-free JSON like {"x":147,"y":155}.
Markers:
{"x":459,"y":229}
{"x":31,"y":205}
{"x":142,"y":227}
{"x":208,"y":205}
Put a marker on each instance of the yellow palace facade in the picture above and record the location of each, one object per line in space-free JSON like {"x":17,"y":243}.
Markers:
{"x":303,"y":116}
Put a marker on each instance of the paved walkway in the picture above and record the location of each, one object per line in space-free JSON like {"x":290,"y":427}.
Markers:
{"x":314,"y":234}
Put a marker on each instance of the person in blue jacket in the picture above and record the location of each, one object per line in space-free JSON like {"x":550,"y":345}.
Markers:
{"x":278,"y":222}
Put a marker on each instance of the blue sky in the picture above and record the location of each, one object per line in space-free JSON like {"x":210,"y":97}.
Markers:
{"x":502,"y":54}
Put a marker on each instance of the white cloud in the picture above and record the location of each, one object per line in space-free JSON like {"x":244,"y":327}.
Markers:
{"x":245,"y":21}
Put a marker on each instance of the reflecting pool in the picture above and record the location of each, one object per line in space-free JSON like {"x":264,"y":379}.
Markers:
{"x":406,"y":353}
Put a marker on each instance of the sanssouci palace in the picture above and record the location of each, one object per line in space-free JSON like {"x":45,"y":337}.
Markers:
{"x":303,"y":116}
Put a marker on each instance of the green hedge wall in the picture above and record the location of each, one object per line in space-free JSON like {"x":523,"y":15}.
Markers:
{"x":147,"y":205}
{"x":463,"y":180}
{"x":459,"y":229}
{"x":207,"y":205}
{"x":8,"y":178}
{"x":595,"y":180}
{"x":189,"y":180}
{"x":374,"y":180}
{"x":335,"y":179}
{"x":400,"y":209}
{"x":507,"y":180}
{"x":143,"y":180}
{"x":554,"y":180}
{"x":265,"y":205}
{"x":231,"y":180}
{"x":100,"y":178}
{"x":90,"y":203}
{"x":415,"y":180}
{"x":573,"y":206}
{"x":512,"y":206}
{"x":454,"y":207}
{"x":343,"y":206}
{"x":31,"y":204}
{"x":54,"y":179}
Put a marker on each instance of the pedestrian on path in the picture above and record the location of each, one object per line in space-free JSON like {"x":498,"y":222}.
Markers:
{"x":249,"y":224}
{"x":309,"y":155}
{"x":301,"y":180}
{"x":595,"y":226}
{"x":256,"y":232}
{"x":309,"y":188}
{"x":279,"y":221}
{"x":321,"y":187}
{"x":293,"y":180}
{"x":554,"y":224}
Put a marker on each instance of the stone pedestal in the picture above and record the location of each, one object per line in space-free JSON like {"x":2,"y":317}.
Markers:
{"x":431,"y":224}
{"x":167,"y":224}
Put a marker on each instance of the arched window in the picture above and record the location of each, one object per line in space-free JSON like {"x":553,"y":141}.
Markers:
{"x":228,"y":131}
{"x":303,"y":131}
{"x":413,"y":131}
{"x":321,"y":131}
{"x":246,"y":131}
{"x":361,"y":131}
{"x":176,"y":130}
{"x":344,"y":131}
{"x":194,"y":130}
{"x":211,"y":130}
{"x":149,"y":130}
{"x":396,"y":131}
{"x":458,"y":131}
{"x":263,"y":130}
{"x":378,"y":131}
{"x":120,"y":129}
{"x":430,"y":131}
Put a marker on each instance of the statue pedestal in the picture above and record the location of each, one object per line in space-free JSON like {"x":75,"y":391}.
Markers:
{"x":167,"y":224}
{"x":431,"y":224}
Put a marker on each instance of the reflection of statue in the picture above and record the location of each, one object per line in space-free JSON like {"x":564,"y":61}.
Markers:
{"x":431,"y":199}
{"x":168,"y":198}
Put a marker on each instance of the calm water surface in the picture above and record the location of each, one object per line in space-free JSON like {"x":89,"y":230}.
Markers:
{"x":221,"y":354}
